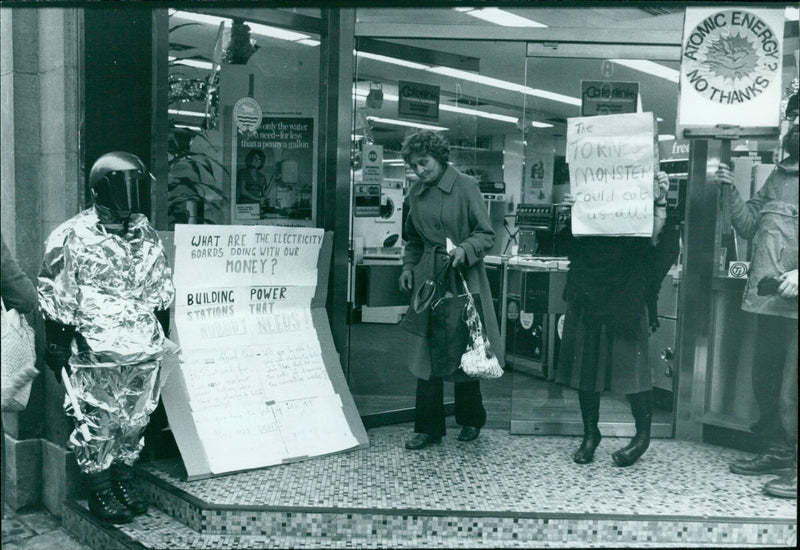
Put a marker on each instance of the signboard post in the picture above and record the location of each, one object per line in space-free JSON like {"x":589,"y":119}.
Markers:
{"x":612,"y":163}
{"x":260,"y":382}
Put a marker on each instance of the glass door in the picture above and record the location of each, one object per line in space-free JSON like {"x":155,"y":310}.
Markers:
{"x":399,"y":87}
{"x":533,"y":308}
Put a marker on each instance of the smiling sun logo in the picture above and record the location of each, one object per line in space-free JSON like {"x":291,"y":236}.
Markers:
{"x":732,"y":58}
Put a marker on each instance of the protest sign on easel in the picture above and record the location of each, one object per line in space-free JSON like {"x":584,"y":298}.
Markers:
{"x":260,"y":381}
{"x":612,"y":162}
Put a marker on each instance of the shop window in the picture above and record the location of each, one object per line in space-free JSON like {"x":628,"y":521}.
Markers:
{"x":243,"y":118}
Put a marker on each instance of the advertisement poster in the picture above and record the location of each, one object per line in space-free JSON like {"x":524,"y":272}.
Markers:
{"x":612,"y":161}
{"x":731,"y":67}
{"x":608,"y":98}
{"x":255,"y":387}
{"x":273,"y":176}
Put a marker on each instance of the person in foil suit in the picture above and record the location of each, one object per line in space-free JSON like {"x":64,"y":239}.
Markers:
{"x":104,"y":290}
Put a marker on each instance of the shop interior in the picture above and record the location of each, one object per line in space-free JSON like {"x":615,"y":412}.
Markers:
{"x":503,"y":106}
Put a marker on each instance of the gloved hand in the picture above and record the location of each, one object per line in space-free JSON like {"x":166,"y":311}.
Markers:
{"x":59,"y":337}
{"x":163,"y":317}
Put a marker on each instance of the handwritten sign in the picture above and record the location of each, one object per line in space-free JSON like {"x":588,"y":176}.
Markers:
{"x":254,"y":388}
{"x":612,"y":163}
{"x":731,"y":67}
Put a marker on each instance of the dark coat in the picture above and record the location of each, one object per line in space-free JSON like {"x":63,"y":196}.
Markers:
{"x":454,"y":209}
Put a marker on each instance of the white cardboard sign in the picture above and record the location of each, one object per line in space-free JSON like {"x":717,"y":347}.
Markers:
{"x":612,"y":163}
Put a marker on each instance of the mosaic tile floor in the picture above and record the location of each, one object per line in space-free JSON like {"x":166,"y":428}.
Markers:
{"x":500,"y":491}
{"x":500,"y":472}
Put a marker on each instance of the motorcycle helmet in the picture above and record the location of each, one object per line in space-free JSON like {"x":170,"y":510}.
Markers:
{"x":120,"y":185}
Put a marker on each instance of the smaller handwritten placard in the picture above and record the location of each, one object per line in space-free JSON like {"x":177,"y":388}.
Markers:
{"x":612,"y":162}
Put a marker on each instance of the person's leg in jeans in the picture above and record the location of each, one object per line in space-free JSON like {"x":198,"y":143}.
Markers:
{"x":470,"y":412}
{"x":786,"y":486}
{"x":768,"y":370}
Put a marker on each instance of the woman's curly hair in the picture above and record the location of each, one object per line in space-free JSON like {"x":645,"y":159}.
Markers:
{"x":426,"y":142}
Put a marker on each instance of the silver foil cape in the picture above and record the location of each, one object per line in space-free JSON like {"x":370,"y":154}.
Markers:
{"x":108,"y":286}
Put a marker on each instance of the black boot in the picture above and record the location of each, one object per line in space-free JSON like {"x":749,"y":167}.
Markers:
{"x":590,"y":412}
{"x":102,"y":502}
{"x":125,"y":490}
{"x":642,"y":409}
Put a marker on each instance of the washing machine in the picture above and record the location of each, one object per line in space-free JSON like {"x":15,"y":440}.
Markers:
{"x":384,"y":230}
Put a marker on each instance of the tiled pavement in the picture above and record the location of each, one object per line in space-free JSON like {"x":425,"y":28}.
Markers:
{"x":35,"y":529}
{"x":502,"y":490}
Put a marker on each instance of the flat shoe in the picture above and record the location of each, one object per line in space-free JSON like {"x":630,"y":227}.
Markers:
{"x":469,"y":433}
{"x":421,"y":441}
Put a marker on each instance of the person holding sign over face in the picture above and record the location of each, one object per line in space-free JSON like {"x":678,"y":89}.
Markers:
{"x":611,"y":292}
{"x":770,"y":219}
{"x":104,"y":290}
{"x":446,"y":206}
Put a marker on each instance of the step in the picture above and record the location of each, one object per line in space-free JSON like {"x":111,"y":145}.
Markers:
{"x":501,"y":489}
{"x":159,"y":531}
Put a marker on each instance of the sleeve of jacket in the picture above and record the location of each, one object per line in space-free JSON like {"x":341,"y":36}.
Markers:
{"x":481,"y":238}
{"x":414,"y":245}
{"x":744,"y":215}
{"x":17,"y":289}
{"x":57,"y":288}
{"x":158,"y":286}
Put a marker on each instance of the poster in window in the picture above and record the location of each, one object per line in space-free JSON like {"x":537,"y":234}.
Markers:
{"x":274,"y":177}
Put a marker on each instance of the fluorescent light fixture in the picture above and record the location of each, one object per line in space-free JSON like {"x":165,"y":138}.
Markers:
{"x":649,"y":67}
{"x":665,"y":137}
{"x":659,"y":119}
{"x":501,"y":17}
{"x":255,"y":28}
{"x":186,"y":113}
{"x":193,"y":63}
{"x":394,"y":162}
{"x":201,"y":17}
{"x":392,"y":60}
{"x":502,"y":84}
{"x":275,"y":32}
{"x":361,"y":94}
{"x":406,"y":123}
{"x":472,"y":77}
{"x":792,"y":14}
{"x":189,"y":127}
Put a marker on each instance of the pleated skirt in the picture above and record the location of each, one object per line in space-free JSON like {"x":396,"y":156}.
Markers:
{"x":594,"y":358}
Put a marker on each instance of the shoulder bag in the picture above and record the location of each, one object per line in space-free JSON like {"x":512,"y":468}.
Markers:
{"x":18,"y":360}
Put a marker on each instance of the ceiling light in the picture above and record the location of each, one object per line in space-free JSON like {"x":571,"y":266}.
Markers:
{"x":201,"y":18}
{"x":189,"y":127}
{"x":665,"y":137}
{"x":361,"y":94}
{"x":505,"y":85}
{"x":392,"y":60}
{"x":255,"y":28}
{"x":537,"y":124}
{"x":187,"y":113}
{"x":406,"y":123}
{"x":792,"y":14}
{"x":649,"y":67}
{"x":659,"y":119}
{"x":193,"y":63}
{"x":275,"y":32}
{"x":501,"y":17}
